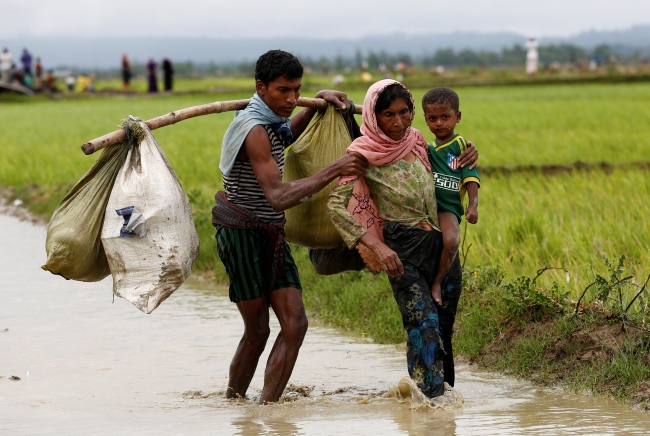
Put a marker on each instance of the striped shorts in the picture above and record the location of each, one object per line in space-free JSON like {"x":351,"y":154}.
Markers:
{"x":246,"y":254}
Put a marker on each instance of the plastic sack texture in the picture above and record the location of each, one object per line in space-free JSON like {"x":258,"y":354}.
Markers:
{"x":323,"y":142}
{"x":73,"y":244}
{"x":151,"y":256}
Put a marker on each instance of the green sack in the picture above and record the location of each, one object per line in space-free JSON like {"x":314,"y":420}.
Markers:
{"x":323,"y":142}
{"x":73,"y":244}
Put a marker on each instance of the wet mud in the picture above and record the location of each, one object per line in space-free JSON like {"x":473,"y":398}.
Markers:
{"x":74,"y":362}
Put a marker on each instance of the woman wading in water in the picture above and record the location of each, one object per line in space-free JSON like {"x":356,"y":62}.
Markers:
{"x":391,"y":214}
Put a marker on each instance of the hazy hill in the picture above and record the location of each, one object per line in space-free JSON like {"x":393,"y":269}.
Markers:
{"x":635,"y":37}
{"x":106,"y":52}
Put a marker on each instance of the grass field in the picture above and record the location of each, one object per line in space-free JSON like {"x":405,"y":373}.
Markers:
{"x":511,"y":126}
{"x":527,"y":221}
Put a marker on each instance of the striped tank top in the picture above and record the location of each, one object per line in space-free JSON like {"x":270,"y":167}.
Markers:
{"x":243,"y":189}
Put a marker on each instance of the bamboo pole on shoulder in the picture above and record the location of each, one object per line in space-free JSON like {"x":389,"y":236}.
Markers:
{"x":183,"y":114}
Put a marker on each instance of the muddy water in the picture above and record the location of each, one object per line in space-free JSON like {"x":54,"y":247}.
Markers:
{"x":90,"y":365}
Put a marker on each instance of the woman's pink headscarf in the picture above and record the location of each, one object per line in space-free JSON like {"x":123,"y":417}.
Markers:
{"x":379,"y":150}
{"x":375,"y":145}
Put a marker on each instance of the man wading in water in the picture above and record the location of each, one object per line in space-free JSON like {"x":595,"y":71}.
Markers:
{"x":249,"y":217}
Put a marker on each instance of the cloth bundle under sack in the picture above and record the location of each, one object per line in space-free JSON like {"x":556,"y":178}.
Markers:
{"x":336,"y":260}
{"x":148,"y":234}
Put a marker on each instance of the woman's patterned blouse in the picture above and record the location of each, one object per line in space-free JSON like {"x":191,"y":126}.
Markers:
{"x":403,"y":192}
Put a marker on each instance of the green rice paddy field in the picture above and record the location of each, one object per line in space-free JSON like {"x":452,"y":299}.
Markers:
{"x":528,"y":219}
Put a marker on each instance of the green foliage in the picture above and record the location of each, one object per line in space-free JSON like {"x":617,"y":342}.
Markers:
{"x":612,"y":285}
{"x":528,"y":302}
{"x":500,"y":327}
{"x":620,"y":296}
{"x":490,"y":278}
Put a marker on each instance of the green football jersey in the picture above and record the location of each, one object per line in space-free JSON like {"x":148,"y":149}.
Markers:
{"x":450,"y":178}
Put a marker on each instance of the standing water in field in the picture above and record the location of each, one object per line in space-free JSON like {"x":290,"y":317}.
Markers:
{"x":89,"y":365}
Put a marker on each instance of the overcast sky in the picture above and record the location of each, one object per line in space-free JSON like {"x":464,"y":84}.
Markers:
{"x":320,"y":19}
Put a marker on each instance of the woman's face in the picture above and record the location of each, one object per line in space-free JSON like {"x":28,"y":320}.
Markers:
{"x":395,"y":119}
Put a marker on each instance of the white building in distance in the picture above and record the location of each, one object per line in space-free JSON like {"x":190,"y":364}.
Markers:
{"x":532,"y":56}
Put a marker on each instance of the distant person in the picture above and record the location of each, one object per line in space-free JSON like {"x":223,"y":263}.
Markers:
{"x":85,"y":83}
{"x":168,"y":72}
{"x":6,"y":60}
{"x":441,"y":108}
{"x":17,"y":76}
{"x":11,"y":73}
{"x":153,"y":82}
{"x":27,"y":79}
{"x":38,"y":69}
{"x":126,"y":72}
{"x":82,"y":82}
{"x":26,"y":59}
{"x":50,"y":82}
{"x":70,"y":82}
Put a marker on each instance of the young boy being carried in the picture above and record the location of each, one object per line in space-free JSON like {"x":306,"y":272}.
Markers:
{"x":442,"y":112}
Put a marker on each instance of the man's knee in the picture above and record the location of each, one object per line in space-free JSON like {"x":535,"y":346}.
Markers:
{"x":257,"y":337}
{"x":288,"y":307}
{"x":295,"y":328}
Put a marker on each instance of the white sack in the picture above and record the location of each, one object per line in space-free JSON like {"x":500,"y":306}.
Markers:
{"x":155,"y":253}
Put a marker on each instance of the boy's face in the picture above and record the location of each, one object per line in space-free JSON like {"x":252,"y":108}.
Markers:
{"x":281,"y":95}
{"x":442,"y":120}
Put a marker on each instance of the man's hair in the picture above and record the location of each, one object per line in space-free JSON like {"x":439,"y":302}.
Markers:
{"x":277,"y":63}
{"x":441,"y":96}
{"x":390,"y":94}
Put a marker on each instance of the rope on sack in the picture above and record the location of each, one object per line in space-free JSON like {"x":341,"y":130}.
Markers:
{"x":135,"y":133}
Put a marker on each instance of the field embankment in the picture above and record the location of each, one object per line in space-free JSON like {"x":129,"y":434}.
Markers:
{"x":530,"y":217}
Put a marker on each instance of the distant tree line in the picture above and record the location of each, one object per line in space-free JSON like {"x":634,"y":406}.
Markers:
{"x":514,"y":56}
{"x":450,"y":58}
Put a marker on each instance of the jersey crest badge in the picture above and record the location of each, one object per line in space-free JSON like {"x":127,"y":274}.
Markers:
{"x":452,"y":161}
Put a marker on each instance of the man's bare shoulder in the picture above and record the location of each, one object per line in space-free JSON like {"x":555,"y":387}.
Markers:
{"x":258,"y":133}
{"x":256,"y":142}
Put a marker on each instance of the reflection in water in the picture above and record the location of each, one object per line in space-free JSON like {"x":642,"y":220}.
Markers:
{"x":103,"y":368}
{"x":255,"y":427}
